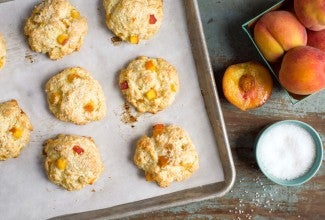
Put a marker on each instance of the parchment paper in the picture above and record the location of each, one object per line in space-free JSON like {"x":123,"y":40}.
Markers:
{"x":25,"y":191}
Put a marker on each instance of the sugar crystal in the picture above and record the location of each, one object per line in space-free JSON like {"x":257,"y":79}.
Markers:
{"x":287,"y":151}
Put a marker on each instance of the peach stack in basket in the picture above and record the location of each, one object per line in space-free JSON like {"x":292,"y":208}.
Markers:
{"x":292,"y":41}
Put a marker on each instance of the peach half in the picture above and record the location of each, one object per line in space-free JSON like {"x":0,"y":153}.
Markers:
{"x":316,"y":39}
{"x":247,"y":85}
{"x":277,"y":32}
{"x":302,"y":70}
{"x":311,"y":13}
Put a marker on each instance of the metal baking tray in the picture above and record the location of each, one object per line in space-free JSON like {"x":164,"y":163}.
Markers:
{"x":213,"y":108}
{"x":121,"y":190}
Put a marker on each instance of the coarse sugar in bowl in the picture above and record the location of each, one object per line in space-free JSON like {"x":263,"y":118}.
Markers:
{"x":289,"y":152}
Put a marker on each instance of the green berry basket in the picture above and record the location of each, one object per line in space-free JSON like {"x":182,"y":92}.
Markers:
{"x":248,"y":27}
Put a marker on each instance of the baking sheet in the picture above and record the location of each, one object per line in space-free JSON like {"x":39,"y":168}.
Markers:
{"x":25,"y":188}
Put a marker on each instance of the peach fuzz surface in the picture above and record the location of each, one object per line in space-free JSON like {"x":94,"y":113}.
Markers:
{"x":302,"y":70}
{"x":316,"y":39}
{"x":278,"y":31}
{"x":311,"y":13}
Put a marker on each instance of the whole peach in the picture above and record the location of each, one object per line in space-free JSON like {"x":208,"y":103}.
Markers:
{"x":302,"y":70}
{"x":316,"y":39}
{"x":311,"y":13}
{"x":278,"y":31}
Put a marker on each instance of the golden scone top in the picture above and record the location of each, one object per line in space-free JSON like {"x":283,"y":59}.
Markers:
{"x":72,"y":161}
{"x":15,"y":129}
{"x":149,"y":84}
{"x":75,"y":96}
{"x":169,"y":155}
{"x":2,"y":51}
{"x":134,"y":20}
{"x":55,"y":27}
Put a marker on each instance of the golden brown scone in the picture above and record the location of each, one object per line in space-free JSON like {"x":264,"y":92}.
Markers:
{"x":55,"y":27}
{"x":169,"y":155}
{"x":149,"y":84}
{"x":134,"y":20}
{"x":2,"y":52}
{"x":75,"y":96}
{"x":15,"y":129}
{"x":72,"y":161}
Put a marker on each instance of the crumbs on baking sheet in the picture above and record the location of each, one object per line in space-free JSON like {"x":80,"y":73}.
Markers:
{"x":116,"y":40}
{"x":127,"y":116}
{"x":31,"y":58}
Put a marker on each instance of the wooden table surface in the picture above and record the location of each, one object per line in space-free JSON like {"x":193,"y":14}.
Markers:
{"x":253,"y":196}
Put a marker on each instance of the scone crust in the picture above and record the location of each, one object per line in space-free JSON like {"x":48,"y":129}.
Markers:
{"x":126,"y":18}
{"x":15,"y":129}
{"x":169,"y":155}
{"x":55,"y":27}
{"x":73,"y":95}
{"x":161,"y":80}
{"x":2,"y":52}
{"x":72,"y":161}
